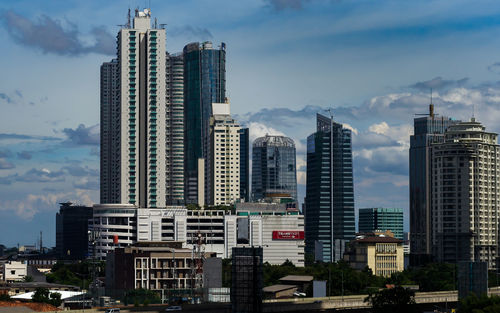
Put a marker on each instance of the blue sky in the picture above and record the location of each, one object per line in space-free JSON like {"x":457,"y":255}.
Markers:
{"x":373,"y":62}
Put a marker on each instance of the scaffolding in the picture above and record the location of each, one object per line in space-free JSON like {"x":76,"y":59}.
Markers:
{"x":246,"y":279}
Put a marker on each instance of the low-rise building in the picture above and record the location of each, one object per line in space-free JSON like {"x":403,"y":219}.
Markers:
{"x":155,"y":266}
{"x":25,"y":287}
{"x":14,"y":271}
{"x":383,"y":255}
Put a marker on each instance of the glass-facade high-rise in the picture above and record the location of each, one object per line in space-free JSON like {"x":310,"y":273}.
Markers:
{"x":204,"y":84}
{"x":329,"y":214}
{"x":427,"y":130}
{"x":244,"y":164}
{"x":175,"y":128}
{"x":273,"y":168}
{"x":371,"y":219}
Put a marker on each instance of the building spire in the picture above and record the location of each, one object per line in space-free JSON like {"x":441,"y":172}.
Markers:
{"x":431,"y":108}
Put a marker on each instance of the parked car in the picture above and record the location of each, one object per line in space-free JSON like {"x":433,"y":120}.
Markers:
{"x":173,"y":308}
{"x":299,"y":294}
{"x":115,"y":310}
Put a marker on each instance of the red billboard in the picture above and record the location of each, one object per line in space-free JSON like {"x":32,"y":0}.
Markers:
{"x":288,"y":235}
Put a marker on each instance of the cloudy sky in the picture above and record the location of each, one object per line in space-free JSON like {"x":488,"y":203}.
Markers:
{"x":372,"y":62}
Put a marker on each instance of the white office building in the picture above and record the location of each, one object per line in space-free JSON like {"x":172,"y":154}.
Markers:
{"x":281,"y":234}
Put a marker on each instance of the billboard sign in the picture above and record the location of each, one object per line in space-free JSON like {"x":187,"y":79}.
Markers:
{"x":288,"y":235}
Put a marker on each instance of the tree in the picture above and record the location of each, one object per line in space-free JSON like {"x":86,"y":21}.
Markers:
{"x":483,"y":304}
{"x":28,"y":278}
{"x":394,"y":300}
{"x":43,"y":295}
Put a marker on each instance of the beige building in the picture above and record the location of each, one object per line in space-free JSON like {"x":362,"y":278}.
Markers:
{"x":465,"y":195}
{"x":14,"y":271}
{"x":225,"y":163}
{"x":383,"y":255}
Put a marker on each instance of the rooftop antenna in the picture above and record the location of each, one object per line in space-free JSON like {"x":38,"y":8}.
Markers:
{"x":431,"y":108}
{"x":163,"y":25}
{"x":329,"y":110}
{"x":156,"y":23}
{"x":128,"y":18}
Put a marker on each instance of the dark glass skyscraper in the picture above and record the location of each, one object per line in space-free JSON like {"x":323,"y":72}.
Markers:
{"x":71,"y":231}
{"x":244,"y":164}
{"x":427,"y":130}
{"x":204,"y":84}
{"x":329,"y":215}
{"x":273,"y":168}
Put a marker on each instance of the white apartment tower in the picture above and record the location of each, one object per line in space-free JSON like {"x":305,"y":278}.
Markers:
{"x":225,"y":155}
{"x":138,"y":173}
{"x":465,"y":194}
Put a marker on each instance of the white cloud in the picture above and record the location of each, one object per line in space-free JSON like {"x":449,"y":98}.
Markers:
{"x":260,"y":130}
{"x":33,"y":204}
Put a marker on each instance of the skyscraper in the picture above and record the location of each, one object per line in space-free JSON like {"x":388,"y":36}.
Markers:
{"x":427,"y":130}
{"x":110,"y":132}
{"x":225,"y":156}
{"x":175,"y":128}
{"x":244,"y":165}
{"x":138,"y":166}
{"x":329,"y":215}
{"x":204,"y":84}
{"x":273,"y":168}
{"x":465,"y":194}
{"x":372,"y":219}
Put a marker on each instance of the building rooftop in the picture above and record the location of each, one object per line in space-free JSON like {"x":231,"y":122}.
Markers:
{"x":278,"y":288}
{"x":298,"y":278}
{"x":40,"y":285}
{"x":378,"y":239}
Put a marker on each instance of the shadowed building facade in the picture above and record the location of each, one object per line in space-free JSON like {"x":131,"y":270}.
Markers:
{"x":329,"y":214}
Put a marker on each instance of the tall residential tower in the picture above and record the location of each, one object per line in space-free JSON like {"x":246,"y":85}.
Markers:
{"x":135,"y":117}
{"x":465,"y":195}
{"x":329,"y":214}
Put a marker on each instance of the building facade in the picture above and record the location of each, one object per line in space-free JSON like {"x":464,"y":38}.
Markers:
{"x":72,"y":231}
{"x":245,"y":164}
{"x":175,"y":129}
{"x":382,"y":219}
{"x":224,"y":156}
{"x":153,"y":266}
{"x":383,"y":255}
{"x":427,"y":130}
{"x":14,"y":271}
{"x":204,"y":84}
{"x":273,"y":167}
{"x":139,"y":166}
{"x":329,"y":214}
{"x":465,"y":195}
{"x":279,"y":232}
{"x":110,"y":156}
